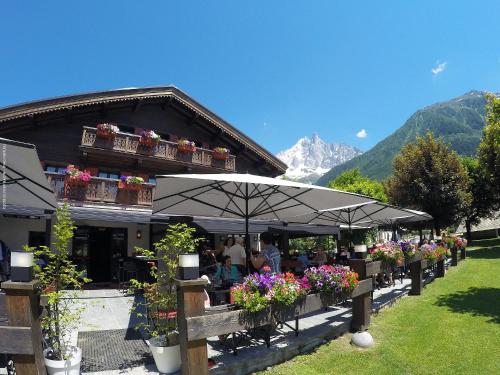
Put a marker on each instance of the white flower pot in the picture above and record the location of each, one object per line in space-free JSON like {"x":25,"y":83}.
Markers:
{"x":167,"y":358}
{"x":70,"y":366}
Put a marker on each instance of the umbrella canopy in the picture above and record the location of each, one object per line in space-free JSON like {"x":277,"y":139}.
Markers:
{"x":23,"y":182}
{"x":244,"y":196}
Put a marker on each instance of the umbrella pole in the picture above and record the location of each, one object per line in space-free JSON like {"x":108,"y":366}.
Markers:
{"x":247,"y":236}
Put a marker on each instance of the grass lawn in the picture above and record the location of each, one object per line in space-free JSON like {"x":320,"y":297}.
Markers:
{"x":452,"y":328}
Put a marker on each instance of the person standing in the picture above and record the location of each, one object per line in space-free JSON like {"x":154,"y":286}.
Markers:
{"x":238,"y":255}
{"x":270,"y":255}
{"x":4,"y":261}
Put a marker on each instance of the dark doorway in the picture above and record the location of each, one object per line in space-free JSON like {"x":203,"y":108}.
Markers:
{"x":97,"y":249}
{"x":36,"y":239}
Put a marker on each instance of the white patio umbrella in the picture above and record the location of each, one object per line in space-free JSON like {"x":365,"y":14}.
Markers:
{"x":367,"y":215}
{"x":22,"y":180}
{"x":244,"y":196}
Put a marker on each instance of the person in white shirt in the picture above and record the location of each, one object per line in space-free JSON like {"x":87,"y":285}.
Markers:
{"x":237,"y":254}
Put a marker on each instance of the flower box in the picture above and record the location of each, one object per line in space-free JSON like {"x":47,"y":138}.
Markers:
{"x":131,"y":183}
{"x":186,"y":146}
{"x":74,"y":177}
{"x":107,"y":131}
{"x":220,"y":153}
{"x":149,"y":139}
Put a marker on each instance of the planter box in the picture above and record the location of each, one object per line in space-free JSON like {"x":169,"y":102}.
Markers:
{"x":130,"y":187}
{"x":73,"y":182}
{"x":186,"y":148}
{"x":221,"y":155}
{"x":148,"y":142}
{"x":105,"y":134}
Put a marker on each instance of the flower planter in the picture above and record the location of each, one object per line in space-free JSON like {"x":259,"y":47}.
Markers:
{"x":104,"y":134}
{"x":148,"y":142}
{"x":167,"y":358}
{"x":186,"y":148}
{"x":221,"y":156}
{"x":70,"y":366}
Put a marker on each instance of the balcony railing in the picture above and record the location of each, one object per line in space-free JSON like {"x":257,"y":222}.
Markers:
{"x":129,"y":143}
{"x":100,"y":190}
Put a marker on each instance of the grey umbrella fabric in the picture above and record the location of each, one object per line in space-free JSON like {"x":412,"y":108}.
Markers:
{"x":22,"y":180}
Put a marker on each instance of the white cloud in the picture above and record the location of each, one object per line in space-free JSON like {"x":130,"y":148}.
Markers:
{"x":362,"y":134}
{"x":439,"y":68}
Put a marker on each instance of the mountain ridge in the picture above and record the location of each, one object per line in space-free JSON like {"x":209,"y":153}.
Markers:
{"x":459,"y":121}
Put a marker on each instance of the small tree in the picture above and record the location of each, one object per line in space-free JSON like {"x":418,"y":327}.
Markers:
{"x":59,"y":279}
{"x":428,"y":176}
{"x":480,"y":191}
{"x":160,"y":297}
{"x":489,"y":149}
{"x":353,"y":181}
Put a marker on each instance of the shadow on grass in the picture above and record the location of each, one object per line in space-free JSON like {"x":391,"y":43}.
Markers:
{"x":475,"y":301}
{"x":485,"y":253}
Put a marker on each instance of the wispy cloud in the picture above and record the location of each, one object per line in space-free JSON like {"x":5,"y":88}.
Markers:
{"x":439,"y":68}
{"x":362,"y":134}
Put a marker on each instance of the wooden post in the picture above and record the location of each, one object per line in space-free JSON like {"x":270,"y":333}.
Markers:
{"x":454,"y":256}
{"x":191,"y":302}
{"x":416,"y":274}
{"x":362,"y":304}
{"x":462,"y":253}
{"x":23,"y":310}
{"x":440,"y":267}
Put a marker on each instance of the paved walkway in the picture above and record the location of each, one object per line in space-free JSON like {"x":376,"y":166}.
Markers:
{"x":109,"y":310}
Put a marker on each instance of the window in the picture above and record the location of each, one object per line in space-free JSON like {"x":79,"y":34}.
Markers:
{"x":112,"y":175}
{"x":152,"y":180}
{"x":55,"y":169}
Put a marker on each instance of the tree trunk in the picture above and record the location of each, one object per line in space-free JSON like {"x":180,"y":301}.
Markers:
{"x":468,"y":234}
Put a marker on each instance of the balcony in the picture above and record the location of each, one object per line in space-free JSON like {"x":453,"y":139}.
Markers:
{"x":100,"y":191}
{"x":165,"y":150}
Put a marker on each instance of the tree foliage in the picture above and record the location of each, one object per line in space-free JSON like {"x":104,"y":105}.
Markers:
{"x":489,"y":148}
{"x":160,"y":296}
{"x":428,"y":176}
{"x":354,"y":182}
{"x":59,"y":279}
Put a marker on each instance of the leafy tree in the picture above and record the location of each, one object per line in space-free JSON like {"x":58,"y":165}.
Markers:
{"x":480,"y":191}
{"x":489,"y":148}
{"x":59,"y":279}
{"x":354,"y":182}
{"x":428,"y":176}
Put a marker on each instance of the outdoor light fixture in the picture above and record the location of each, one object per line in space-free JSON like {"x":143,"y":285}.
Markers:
{"x":21,"y":266}
{"x":189,"y":266}
{"x":138,"y":234}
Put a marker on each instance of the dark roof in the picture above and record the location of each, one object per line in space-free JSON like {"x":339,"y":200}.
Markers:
{"x":64,"y":103}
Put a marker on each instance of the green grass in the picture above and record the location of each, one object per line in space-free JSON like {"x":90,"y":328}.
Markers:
{"x":452,"y":328}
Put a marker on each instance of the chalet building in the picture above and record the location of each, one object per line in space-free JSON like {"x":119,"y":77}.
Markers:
{"x":113,"y":216}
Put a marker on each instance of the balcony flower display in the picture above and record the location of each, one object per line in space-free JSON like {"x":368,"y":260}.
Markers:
{"x":107,"y":131}
{"x":460,"y":243}
{"x":332,"y":281}
{"x":389,"y":253}
{"x":432,"y":252}
{"x":130,"y":182}
{"x":149,"y":138}
{"x":75,"y":177}
{"x":409,"y":249}
{"x":221,"y":153}
{"x":183,"y":145}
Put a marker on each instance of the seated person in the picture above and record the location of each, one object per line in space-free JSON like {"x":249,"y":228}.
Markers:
{"x":207,"y":260}
{"x":303,"y":262}
{"x":227,"y":274}
{"x":320,"y":257}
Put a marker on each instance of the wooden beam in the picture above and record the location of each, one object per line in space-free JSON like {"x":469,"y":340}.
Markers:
{"x":16,"y":340}
{"x":193,"y":119}
{"x":167,"y":103}
{"x":138,"y":105}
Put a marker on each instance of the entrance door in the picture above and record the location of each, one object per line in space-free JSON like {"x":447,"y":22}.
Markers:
{"x":100,"y":255}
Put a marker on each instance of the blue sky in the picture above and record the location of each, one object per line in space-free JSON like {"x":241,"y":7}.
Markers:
{"x":278,"y":70}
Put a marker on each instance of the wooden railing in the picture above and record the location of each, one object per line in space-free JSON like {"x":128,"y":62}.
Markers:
{"x":103,"y":190}
{"x":129,"y":143}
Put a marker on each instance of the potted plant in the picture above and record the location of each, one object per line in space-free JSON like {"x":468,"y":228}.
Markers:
{"x":221,"y":153}
{"x":130,"y":183}
{"x":183,"y":145}
{"x":107,"y":131}
{"x":59,"y":280}
{"x":160,"y":299}
{"x":149,"y":138}
{"x":75,"y":177}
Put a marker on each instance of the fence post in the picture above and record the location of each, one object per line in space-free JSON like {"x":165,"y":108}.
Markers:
{"x":440,"y":267}
{"x":23,"y":310}
{"x":191,"y":302}
{"x":416,"y":274}
{"x":361,"y":305}
{"x":462,"y":253}
{"x":454,"y":256}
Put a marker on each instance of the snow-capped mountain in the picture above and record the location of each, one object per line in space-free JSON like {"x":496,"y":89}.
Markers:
{"x":310,"y":158}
